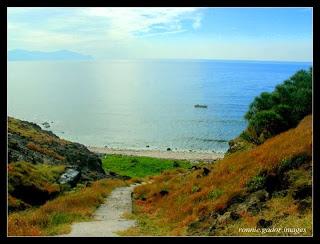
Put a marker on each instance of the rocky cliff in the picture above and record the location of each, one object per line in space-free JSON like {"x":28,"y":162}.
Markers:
{"x":40,"y":164}
{"x":28,"y":142}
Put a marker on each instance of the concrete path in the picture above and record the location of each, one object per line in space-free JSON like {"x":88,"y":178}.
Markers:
{"x":108,"y":217}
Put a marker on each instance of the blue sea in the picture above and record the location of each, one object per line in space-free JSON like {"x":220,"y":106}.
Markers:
{"x":134,"y":103}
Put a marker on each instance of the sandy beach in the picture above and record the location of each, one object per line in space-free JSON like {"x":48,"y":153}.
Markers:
{"x":187,"y":155}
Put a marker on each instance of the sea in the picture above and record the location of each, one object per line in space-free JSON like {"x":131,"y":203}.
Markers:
{"x":142,"y":104}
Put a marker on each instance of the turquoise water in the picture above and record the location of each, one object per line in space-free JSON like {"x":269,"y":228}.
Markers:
{"x":132,"y":103}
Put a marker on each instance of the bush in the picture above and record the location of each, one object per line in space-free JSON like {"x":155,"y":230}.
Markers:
{"x":134,"y":161}
{"x":272,"y":113}
{"x":176,"y":164}
{"x":256,"y":183}
{"x":195,"y":189}
{"x":293,"y":162}
{"x":266,"y":124}
{"x":215,"y":194}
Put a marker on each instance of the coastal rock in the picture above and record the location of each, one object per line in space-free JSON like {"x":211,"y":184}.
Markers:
{"x":256,"y":201}
{"x":195,"y":167}
{"x":28,"y":142}
{"x":168,"y":149}
{"x":71,"y":176}
{"x":46,"y":125}
{"x":258,"y":196}
{"x":224,"y":219}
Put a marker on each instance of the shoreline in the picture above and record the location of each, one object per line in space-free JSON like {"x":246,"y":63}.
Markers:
{"x":178,"y":155}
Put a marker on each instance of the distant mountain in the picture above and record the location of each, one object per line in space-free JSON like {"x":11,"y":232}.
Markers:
{"x":20,"y":54}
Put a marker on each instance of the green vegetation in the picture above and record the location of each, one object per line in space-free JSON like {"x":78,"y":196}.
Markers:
{"x":256,"y":183}
{"x":195,"y":189}
{"x":293,"y":162}
{"x":272,"y":113}
{"x":215,"y":194}
{"x":138,"y":167}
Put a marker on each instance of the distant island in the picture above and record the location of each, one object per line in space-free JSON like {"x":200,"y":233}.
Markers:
{"x":26,"y":55}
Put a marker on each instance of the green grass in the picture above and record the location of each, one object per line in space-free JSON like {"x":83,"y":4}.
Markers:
{"x":139,"y":167}
{"x":215,"y":194}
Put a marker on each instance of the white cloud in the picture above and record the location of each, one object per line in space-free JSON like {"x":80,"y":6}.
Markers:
{"x":131,"y":22}
{"x":197,"y":22}
{"x":56,"y":28}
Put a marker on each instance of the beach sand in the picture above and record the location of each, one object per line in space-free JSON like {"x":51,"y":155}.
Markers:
{"x":187,"y":155}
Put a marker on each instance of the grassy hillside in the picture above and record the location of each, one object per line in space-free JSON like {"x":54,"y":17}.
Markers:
{"x":57,"y":215}
{"x":30,"y":184}
{"x":268,"y":185}
{"x":29,"y":143}
{"x":39,"y":203}
{"x":37,"y":159}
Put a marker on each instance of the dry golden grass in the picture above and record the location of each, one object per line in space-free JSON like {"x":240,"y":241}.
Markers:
{"x":56,"y":216}
{"x":42,"y":177}
{"x":228,"y":177}
{"x":43,"y":150}
{"x":19,"y":127}
{"x":284,"y":213}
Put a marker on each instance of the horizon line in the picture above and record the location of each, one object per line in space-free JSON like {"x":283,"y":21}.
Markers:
{"x":169,"y":58}
{"x":177,"y":59}
{"x":213,"y":59}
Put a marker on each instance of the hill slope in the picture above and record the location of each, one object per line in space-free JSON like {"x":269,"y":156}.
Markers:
{"x":41,"y":164}
{"x":267,"y":186}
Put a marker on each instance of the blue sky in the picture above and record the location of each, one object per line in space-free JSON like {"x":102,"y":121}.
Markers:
{"x":199,"y":33}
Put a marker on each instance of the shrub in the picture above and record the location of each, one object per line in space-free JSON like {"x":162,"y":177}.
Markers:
{"x":134,"y":161}
{"x":293,"y":162}
{"x":195,"y":189}
{"x":256,"y":183}
{"x":176,"y":164}
{"x":215,"y":194}
{"x":245,"y":135}
{"x":272,"y":113}
{"x":266,"y":124}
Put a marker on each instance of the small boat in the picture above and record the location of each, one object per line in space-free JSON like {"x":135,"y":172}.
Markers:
{"x":200,"y":106}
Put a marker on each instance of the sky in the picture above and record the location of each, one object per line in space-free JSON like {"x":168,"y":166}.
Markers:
{"x":281,"y":34}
